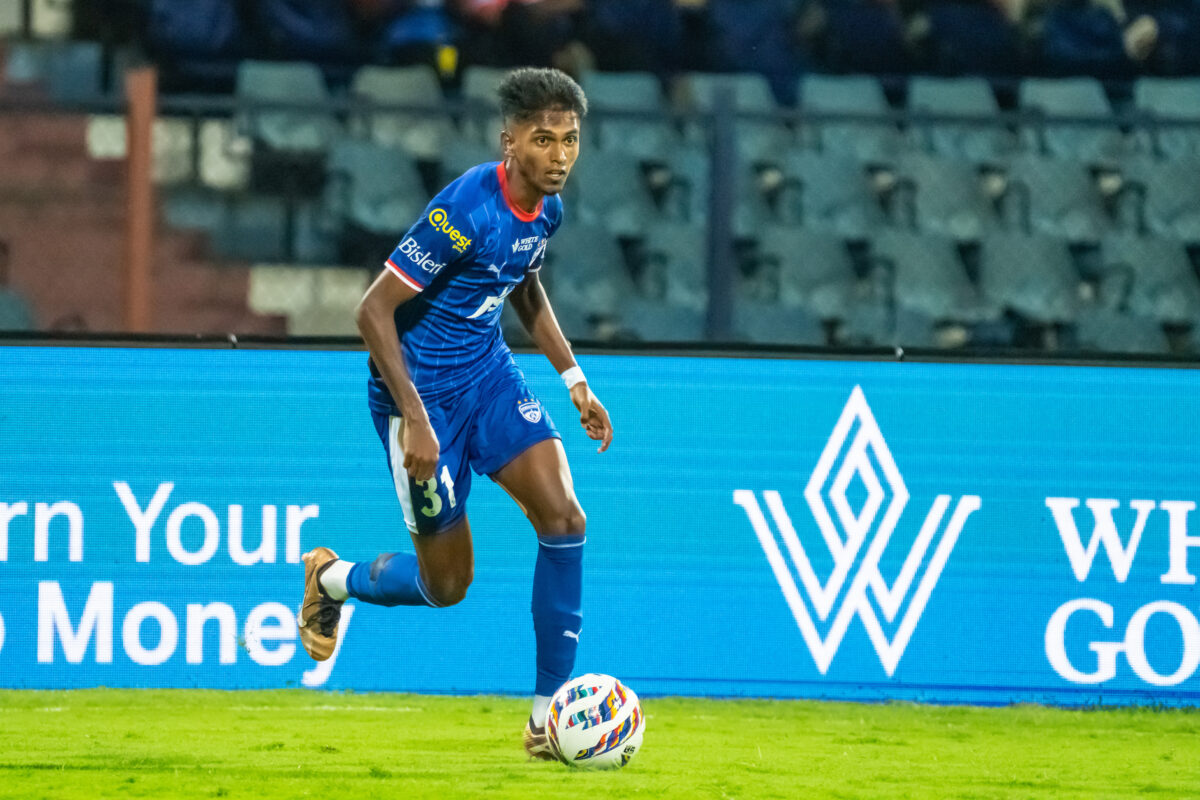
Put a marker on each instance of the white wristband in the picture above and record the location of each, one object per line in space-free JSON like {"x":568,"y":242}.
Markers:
{"x":572,"y":376}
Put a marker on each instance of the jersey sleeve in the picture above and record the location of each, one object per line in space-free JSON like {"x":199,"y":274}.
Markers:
{"x":554,"y":215}
{"x":444,"y":235}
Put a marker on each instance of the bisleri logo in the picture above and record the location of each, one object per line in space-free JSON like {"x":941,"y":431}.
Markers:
{"x":856,"y":540}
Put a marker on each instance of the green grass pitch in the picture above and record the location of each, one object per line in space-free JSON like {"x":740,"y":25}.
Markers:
{"x":282,"y":744}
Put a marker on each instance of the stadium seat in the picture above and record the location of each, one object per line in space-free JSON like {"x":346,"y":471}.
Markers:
{"x":689,"y":193}
{"x":316,"y":242}
{"x":1108,"y":331}
{"x":947,"y":196}
{"x":813,"y":269}
{"x":675,"y":268}
{"x":462,"y":154}
{"x":758,"y":140}
{"x":15,"y":313}
{"x":1055,"y":197}
{"x":373,"y":195}
{"x":193,"y":208}
{"x":1032,"y":275}
{"x":1099,"y":142}
{"x":1173,"y":100}
{"x":659,"y":321}
{"x":253,"y":228}
{"x":829,"y":192}
{"x":301,"y":130}
{"x":421,"y":133}
{"x":875,"y":324}
{"x":607,"y":188}
{"x":74,"y":71}
{"x":773,"y":323}
{"x":1170,"y":196}
{"x":585,"y":267}
{"x":1164,"y":286}
{"x":609,"y":94}
{"x":929,"y":277}
{"x":482,"y":122}
{"x":866,"y":141}
{"x":978,"y":142}
{"x":290,"y":145}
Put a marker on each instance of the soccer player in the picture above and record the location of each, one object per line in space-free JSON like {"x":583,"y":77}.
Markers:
{"x":448,"y":398}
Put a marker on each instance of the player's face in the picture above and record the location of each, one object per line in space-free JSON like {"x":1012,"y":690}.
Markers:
{"x":544,"y":149}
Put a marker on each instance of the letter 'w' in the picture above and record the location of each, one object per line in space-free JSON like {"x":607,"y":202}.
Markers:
{"x":856,"y":446}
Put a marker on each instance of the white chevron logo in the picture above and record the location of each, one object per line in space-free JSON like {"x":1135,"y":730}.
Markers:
{"x":846,"y":534}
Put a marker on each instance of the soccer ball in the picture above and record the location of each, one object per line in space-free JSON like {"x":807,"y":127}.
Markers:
{"x":595,"y":721}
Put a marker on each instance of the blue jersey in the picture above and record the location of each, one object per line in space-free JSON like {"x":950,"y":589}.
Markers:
{"x":472,"y":246}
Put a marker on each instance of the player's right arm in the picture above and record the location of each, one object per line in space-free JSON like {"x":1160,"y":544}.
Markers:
{"x":376,"y":319}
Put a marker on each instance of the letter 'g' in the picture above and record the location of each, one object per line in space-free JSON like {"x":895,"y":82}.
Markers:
{"x":1056,"y":636}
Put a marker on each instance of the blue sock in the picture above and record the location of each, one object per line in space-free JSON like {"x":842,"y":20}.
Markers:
{"x":393,"y":579}
{"x":557,"y":609}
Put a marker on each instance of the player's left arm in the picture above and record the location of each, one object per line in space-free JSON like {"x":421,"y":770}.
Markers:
{"x":533,"y":307}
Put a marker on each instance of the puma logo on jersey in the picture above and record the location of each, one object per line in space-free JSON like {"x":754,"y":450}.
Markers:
{"x":492,"y":303}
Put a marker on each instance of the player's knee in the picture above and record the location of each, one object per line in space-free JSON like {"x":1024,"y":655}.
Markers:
{"x":449,"y":590}
{"x":566,"y":520}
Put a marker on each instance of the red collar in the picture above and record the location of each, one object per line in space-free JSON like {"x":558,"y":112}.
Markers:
{"x":524,"y":216}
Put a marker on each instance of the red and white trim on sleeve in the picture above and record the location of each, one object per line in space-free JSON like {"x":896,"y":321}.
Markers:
{"x":399,"y":273}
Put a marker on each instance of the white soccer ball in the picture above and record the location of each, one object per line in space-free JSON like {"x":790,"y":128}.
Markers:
{"x":595,"y":721}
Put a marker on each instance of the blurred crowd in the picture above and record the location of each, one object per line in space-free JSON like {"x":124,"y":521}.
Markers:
{"x":1108,"y":39}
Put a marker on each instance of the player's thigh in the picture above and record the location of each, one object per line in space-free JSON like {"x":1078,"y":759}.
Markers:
{"x":447,"y":560}
{"x":539,"y":479}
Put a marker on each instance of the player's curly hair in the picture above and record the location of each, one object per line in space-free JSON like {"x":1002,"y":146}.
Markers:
{"x":528,"y":91}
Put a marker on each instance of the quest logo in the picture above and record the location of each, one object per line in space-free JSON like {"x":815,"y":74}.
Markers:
{"x":440,"y":220}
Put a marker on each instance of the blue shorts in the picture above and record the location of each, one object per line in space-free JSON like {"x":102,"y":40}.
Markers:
{"x":481,"y":428}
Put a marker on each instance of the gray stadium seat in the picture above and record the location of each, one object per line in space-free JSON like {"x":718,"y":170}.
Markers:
{"x":575,"y":320}
{"x":377,"y":188}
{"x":607,"y":187}
{"x":1055,"y":197}
{"x":959,"y":97}
{"x":659,"y":321}
{"x":607,"y":92}
{"x":1032,"y":275}
{"x":868,"y":142}
{"x":1171,"y":100}
{"x":423,"y":134}
{"x":1108,"y":331}
{"x":947,"y":196}
{"x":688,"y":194}
{"x":1171,"y":190}
{"x":829,"y":192}
{"x":929,"y":277}
{"x":253,"y":228}
{"x":813,"y":268}
{"x":585,"y":267}
{"x":479,"y":86}
{"x":462,"y":154}
{"x":758,"y":140}
{"x":874,"y":324}
{"x":1093,"y":143}
{"x":772,"y":323}
{"x":1164,"y":285}
{"x":15,"y":313}
{"x":676,"y":265}
{"x":302,"y":130}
